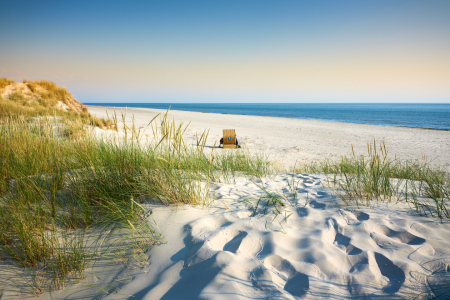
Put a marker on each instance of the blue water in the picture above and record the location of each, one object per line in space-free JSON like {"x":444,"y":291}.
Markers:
{"x":436,"y":116}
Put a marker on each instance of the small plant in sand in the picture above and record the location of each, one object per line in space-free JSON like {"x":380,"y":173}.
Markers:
{"x":276,"y":203}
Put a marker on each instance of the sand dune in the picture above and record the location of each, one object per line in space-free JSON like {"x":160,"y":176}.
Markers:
{"x":314,"y":249}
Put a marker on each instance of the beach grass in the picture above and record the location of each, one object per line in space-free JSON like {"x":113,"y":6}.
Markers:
{"x":363,"y":180}
{"x":57,"y":189}
{"x":40,"y":98}
{"x":13,"y":109}
{"x":4,"y":82}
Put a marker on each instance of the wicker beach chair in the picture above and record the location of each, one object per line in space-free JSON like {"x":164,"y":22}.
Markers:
{"x":229,"y":138}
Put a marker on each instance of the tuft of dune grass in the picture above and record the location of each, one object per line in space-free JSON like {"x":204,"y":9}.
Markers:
{"x":4,"y":82}
{"x":375,"y":177}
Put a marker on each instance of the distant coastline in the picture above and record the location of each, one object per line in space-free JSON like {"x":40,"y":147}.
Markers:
{"x":411,"y":115}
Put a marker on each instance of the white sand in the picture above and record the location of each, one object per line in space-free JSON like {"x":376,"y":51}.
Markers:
{"x":314,"y":249}
{"x":294,"y":140}
{"x":319,"y":251}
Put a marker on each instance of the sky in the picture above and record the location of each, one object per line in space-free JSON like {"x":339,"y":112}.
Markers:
{"x":232,"y":51}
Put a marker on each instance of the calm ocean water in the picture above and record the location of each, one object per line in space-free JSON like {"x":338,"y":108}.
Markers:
{"x":435,"y":116}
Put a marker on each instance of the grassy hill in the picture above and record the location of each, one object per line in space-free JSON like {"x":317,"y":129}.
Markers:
{"x":27,"y":99}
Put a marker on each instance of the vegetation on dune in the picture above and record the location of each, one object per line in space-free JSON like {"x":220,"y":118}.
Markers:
{"x":56,"y":191}
{"x":364,"y":179}
{"x":4,"y":82}
{"x":43,"y":98}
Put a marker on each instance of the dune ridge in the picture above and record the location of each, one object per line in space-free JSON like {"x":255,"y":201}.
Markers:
{"x":40,"y":93}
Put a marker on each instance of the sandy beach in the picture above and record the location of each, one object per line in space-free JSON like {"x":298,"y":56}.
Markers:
{"x":99,"y":200}
{"x":315,"y":249}
{"x":291,"y":141}
{"x":311,"y":247}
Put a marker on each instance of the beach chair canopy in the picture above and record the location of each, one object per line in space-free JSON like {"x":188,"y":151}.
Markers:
{"x":229,"y":138}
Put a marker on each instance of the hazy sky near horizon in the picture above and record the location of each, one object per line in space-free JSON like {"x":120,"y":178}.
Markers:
{"x":232,"y":51}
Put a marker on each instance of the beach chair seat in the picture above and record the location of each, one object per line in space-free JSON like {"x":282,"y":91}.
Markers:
{"x":229,"y":138}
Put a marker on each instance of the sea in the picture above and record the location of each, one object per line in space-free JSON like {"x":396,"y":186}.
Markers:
{"x":432,"y":116}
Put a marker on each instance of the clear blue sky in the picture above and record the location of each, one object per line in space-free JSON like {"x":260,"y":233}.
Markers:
{"x":232,"y":51}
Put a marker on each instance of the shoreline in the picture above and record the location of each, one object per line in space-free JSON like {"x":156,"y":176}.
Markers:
{"x":297,"y":118}
{"x":290,"y":141}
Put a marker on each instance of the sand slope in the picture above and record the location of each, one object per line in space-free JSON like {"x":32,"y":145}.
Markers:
{"x":65,"y":101}
{"x":314,"y":249}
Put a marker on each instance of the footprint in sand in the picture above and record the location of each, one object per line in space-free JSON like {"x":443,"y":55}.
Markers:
{"x":286,"y":276}
{"x":354,"y":215}
{"x":378,"y":264}
{"x":388,"y":269}
{"x":302,"y":211}
{"x":209,"y":235}
{"x":310,"y":183}
{"x":235,"y":243}
{"x":317,"y":205}
{"x":255,"y":180}
{"x":222,"y":240}
{"x":361,"y":216}
{"x":263,"y":280}
{"x":401,"y":236}
{"x":298,"y":285}
{"x":343,"y":243}
{"x":321,"y":194}
{"x":339,"y":240}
